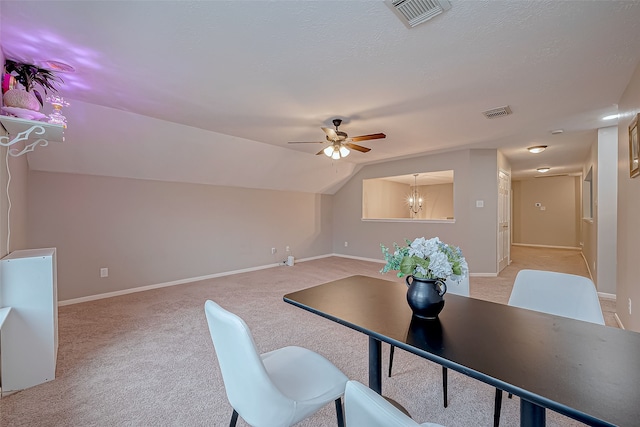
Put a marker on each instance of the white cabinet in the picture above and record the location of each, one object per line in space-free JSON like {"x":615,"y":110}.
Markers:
{"x":29,"y":336}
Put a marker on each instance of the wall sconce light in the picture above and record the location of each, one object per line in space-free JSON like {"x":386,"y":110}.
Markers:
{"x":537,"y":149}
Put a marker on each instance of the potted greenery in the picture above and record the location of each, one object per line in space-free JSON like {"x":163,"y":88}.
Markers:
{"x":29,"y":76}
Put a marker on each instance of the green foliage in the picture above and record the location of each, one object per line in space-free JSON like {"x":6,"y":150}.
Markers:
{"x":29,"y":75}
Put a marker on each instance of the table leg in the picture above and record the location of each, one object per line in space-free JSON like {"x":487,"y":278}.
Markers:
{"x":531,"y":415}
{"x":375,"y":365}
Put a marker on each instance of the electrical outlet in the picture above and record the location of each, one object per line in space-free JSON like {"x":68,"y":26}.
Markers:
{"x":273,"y":251}
{"x":104,"y":272}
{"x":287,"y":249}
{"x":629,"y":306}
{"x":346,"y":244}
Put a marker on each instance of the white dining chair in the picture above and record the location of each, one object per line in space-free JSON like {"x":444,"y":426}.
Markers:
{"x":364,"y":407}
{"x":560,"y":294}
{"x":274,"y":389}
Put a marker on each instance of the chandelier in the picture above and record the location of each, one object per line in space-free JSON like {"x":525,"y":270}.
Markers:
{"x":415,"y":200}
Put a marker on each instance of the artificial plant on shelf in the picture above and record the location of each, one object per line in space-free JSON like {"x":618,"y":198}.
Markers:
{"x":29,"y":76}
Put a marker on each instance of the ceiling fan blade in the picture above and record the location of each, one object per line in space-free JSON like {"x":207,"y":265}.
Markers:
{"x":368,"y":137}
{"x":307,"y":142}
{"x":357,"y":147}
{"x":330,"y":133}
{"x":320,"y":152}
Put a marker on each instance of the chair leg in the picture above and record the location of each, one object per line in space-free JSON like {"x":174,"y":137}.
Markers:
{"x":444,"y":386}
{"x":234,"y":419}
{"x":496,"y":413}
{"x":391,"y":359}
{"x":339,"y":412}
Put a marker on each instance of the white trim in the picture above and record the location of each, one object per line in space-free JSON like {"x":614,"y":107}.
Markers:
{"x":604,"y":295}
{"x":547,"y":246}
{"x":618,"y":321}
{"x":423,"y":221}
{"x":176,"y":282}
{"x":379,"y":261}
{"x":222,"y":274}
{"x":587,"y":264}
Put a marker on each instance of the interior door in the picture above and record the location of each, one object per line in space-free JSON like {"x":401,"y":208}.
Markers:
{"x":504,"y":215}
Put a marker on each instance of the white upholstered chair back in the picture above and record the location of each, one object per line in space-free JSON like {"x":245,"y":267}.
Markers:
{"x":560,"y":294}
{"x":458,"y":288}
{"x":365,"y":408}
{"x":274,"y":389}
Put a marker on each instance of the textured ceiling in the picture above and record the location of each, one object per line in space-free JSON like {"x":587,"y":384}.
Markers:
{"x":211,"y":91}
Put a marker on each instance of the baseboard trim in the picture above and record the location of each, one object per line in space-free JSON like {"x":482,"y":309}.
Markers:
{"x":381,"y":261}
{"x":618,"y":321}
{"x":359,"y":258}
{"x":547,"y":246}
{"x":176,"y":282}
{"x":604,"y":295}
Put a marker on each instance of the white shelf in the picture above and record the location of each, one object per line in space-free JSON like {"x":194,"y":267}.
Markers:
{"x":4,"y":312}
{"x":32,"y":131}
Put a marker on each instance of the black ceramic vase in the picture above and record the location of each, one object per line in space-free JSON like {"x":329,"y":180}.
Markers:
{"x":425,"y":296}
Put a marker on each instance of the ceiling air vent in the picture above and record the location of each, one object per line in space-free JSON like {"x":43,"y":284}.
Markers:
{"x":414,"y":12}
{"x":497,"y":112}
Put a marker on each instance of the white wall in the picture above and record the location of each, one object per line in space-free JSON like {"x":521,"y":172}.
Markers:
{"x":606,"y":206}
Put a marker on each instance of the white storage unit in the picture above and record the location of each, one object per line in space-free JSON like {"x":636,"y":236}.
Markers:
{"x":29,"y":336}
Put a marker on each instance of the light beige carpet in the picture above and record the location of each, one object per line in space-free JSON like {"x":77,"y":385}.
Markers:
{"x":146,"y":359}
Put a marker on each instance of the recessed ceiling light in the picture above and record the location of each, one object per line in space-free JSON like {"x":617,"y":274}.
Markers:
{"x":557,"y":132}
{"x":543,"y":170}
{"x":537,"y":149}
{"x":611,"y":117}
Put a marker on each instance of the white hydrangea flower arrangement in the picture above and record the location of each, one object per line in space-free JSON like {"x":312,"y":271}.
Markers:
{"x":426,"y":259}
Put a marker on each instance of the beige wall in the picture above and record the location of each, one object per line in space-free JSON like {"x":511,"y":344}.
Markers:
{"x":384,"y":199}
{"x":474,"y":229}
{"x":387,"y":199}
{"x":437,"y":201}
{"x":152,"y":232}
{"x":17,"y":195}
{"x":558,"y":224}
{"x":628,"y":233}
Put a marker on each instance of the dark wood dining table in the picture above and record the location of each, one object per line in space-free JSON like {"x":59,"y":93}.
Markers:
{"x":585,"y":371}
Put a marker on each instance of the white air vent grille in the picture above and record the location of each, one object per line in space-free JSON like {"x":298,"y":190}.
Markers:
{"x":414,"y":12}
{"x":497,"y":112}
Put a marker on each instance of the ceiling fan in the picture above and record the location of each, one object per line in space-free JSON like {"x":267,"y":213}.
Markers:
{"x":340,"y":142}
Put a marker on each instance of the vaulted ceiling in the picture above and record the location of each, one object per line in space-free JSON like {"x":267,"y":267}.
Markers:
{"x":212,"y":91}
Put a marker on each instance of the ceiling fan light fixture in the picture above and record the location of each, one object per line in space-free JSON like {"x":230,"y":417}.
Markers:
{"x":537,"y":149}
{"x":335,"y":155}
{"x":344,"y":151}
{"x":328,"y":151}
